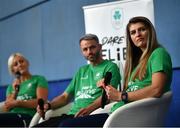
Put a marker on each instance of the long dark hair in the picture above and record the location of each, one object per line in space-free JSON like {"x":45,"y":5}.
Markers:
{"x":135,"y":56}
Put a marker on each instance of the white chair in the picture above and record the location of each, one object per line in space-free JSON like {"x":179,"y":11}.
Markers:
{"x":50,"y":113}
{"x":57,"y":112}
{"x":142,"y":113}
{"x":121,"y":70}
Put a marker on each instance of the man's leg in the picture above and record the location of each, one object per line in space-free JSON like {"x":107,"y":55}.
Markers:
{"x":96,"y":120}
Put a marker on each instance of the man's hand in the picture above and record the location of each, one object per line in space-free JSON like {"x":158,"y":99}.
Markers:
{"x":41,"y":112}
{"x":83,"y":112}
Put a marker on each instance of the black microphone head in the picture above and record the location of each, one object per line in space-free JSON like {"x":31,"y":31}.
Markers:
{"x":107,"y":78}
{"x":41,"y":107}
{"x":41,"y":103}
{"x":17,"y":74}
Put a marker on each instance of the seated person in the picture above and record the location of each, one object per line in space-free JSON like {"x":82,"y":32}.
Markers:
{"x":22,"y":96}
{"x":148,"y":72}
{"x":83,"y":89}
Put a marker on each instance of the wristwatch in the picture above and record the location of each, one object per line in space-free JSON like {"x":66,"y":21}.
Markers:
{"x":124,"y":96}
{"x":49,"y":105}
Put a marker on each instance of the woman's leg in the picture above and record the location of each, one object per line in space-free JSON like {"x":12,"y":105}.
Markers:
{"x":14,"y":120}
{"x":96,"y":120}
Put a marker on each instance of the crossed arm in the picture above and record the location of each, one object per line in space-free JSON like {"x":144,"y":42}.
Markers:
{"x":11,"y":102}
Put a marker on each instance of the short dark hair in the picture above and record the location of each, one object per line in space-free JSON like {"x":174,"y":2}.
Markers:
{"x":89,"y":37}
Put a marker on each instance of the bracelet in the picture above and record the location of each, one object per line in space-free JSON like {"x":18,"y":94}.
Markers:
{"x":49,"y":105}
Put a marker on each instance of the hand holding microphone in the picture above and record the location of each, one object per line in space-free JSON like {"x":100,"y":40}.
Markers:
{"x":17,"y":83}
{"x":41,"y":107}
{"x":107,"y":80}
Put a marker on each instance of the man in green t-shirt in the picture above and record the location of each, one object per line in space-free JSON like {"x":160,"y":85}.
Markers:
{"x":83,"y":89}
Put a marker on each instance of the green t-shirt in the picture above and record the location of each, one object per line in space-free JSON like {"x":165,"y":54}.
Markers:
{"x":27,"y":91}
{"x":83,"y":86}
{"x":159,"y":61}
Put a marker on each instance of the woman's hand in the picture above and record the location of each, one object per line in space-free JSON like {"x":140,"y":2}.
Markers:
{"x":83,"y":112}
{"x":112,"y":93}
{"x":9,"y":104}
{"x":16,"y":83}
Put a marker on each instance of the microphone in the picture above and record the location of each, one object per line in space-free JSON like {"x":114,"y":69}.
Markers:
{"x":41,"y":106}
{"x":107,"y":80}
{"x":17,"y":75}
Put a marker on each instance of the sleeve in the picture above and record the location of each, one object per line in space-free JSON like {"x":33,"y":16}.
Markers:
{"x":9,"y":90}
{"x":161,"y":61}
{"x":71,"y":87}
{"x":42,"y":82}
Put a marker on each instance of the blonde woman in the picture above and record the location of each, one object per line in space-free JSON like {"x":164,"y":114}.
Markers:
{"x":23,"y":94}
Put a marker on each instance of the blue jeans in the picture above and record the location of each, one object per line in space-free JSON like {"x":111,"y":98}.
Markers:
{"x":54,"y":121}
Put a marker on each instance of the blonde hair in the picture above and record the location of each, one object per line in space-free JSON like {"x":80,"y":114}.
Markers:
{"x":135,"y":57}
{"x":10,"y":61}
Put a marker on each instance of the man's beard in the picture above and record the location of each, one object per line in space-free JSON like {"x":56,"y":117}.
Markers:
{"x":93,"y":57}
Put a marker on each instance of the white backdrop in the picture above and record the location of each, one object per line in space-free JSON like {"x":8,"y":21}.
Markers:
{"x":108,"y":21}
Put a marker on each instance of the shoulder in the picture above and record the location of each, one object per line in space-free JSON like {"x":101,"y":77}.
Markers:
{"x":40,"y":81}
{"x":37,"y":76}
{"x":110,"y":63}
{"x":84,"y":67}
{"x":9,"y":87}
{"x":160,"y":50}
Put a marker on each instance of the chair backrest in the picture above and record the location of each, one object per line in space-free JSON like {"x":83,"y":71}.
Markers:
{"x":106,"y":109}
{"x":50,"y":113}
{"x":1,"y":106}
{"x":145,"y":112}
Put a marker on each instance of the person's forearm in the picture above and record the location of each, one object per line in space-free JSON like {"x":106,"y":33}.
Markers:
{"x":58,"y":102}
{"x":159,"y":80}
{"x":95,"y":105}
{"x":27,"y":103}
{"x":11,"y":96}
{"x":146,"y":92}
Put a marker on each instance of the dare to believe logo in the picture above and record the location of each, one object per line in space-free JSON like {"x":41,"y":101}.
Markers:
{"x":117,"y":18}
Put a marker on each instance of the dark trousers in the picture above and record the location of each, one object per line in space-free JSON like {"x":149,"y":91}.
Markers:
{"x":14,"y":120}
{"x":54,"y":121}
{"x":96,"y":120}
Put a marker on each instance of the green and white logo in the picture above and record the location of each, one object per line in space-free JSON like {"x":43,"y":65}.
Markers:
{"x":117,"y":18}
